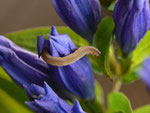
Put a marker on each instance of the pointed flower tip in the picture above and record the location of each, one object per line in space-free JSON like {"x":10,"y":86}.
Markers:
{"x":49,"y":91}
{"x":40,"y":44}
{"x":52,"y":104}
{"x":76,"y":107}
{"x":27,"y":103}
{"x":54,"y":31}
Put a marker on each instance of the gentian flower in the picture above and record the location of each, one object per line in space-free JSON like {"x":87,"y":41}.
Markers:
{"x":23,"y":67}
{"x":131,"y":19}
{"x":82,"y":16}
{"x":77,"y":77}
{"x":26,"y":68}
{"x":45,"y":100}
{"x":144,"y":72}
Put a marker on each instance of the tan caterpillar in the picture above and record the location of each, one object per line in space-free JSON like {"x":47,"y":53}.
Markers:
{"x":71,"y":58}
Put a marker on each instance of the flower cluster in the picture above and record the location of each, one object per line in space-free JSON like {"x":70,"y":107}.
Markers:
{"x":45,"y":100}
{"x":47,"y":85}
{"x":26,"y":68}
{"x":67,"y":76}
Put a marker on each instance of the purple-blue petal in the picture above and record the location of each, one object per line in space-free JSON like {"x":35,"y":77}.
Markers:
{"x":51,"y":103}
{"x":144,"y":72}
{"x":34,"y":107}
{"x":132,"y":21}
{"x":77,"y":77}
{"x":77,"y":108}
{"x":25,"y":68}
{"x":82,"y":16}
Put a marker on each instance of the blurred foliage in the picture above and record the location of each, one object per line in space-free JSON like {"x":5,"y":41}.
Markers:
{"x":12,"y":96}
{"x":10,"y":105}
{"x":112,"y":5}
{"x":99,"y":92}
{"x":106,"y":3}
{"x":143,"y":109}
{"x":142,"y":51}
{"x":118,"y":103}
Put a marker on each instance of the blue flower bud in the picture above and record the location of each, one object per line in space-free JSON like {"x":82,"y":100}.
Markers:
{"x":82,"y":16}
{"x":45,"y":100}
{"x":144,"y":72}
{"x":26,"y":68}
{"x":77,"y":78}
{"x":131,"y":19}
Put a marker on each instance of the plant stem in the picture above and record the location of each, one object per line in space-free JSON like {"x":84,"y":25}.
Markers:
{"x":117,"y":86}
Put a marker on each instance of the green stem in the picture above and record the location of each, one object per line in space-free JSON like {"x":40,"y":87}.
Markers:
{"x":117,"y":86}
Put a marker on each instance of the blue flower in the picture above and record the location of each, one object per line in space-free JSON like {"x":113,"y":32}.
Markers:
{"x":131,"y":19}
{"x":144,"y":72}
{"x":82,"y":16}
{"x":77,"y":78}
{"x":45,"y":100}
{"x":26,"y":68}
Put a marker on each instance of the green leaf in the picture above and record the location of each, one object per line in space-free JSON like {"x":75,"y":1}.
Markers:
{"x":142,"y":51}
{"x":143,"y":109}
{"x":12,"y":96}
{"x":112,"y":6}
{"x":10,"y":105}
{"x":139,"y":54}
{"x":103,"y":40}
{"x":28,"y":39}
{"x":118,"y":103}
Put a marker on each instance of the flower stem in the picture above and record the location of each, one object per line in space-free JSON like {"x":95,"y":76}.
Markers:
{"x":117,"y":86}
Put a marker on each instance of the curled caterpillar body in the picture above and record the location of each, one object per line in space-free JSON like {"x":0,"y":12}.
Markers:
{"x":71,"y":58}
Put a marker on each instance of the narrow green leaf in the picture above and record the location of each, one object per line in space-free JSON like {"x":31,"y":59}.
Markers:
{"x":112,"y":6}
{"x":103,"y":40}
{"x":118,"y":103}
{"x":143,"y":109}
